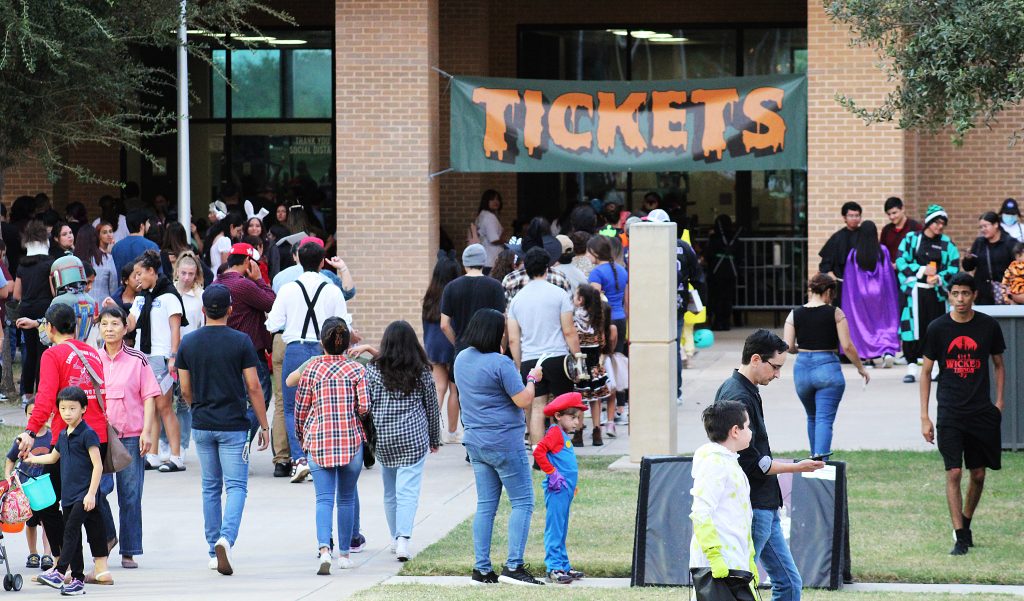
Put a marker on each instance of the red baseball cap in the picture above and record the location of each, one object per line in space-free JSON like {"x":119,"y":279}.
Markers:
{"x":312,"y":239}
{"x":246,"y":250}
{"x":565,"y":401}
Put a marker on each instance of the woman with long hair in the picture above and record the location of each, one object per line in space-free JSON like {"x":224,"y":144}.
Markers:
{"x":990,"y":255}
{"x":612,"y":279}
{"x":32,"y":289}
{"x":870,"y":299}
{"x":493,"y":398}
{"x":225,"y":233}
{"x":815,"y":332}
{"x":488,"y":226}
{"x":505,"y":263}
{"x":440,"y":350}
{"x":62,"y":240}
{"x":92,"y":247}
{"x":330,"y":397}
{"x":403,"y":403}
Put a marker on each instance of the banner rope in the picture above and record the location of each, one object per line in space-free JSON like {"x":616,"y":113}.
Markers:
{"x":446,"y":74}
{"x":441,"y":172}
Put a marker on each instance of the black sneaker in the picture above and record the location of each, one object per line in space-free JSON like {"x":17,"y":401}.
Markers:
{"x":282,"y":470}
{"x":519,"y":576}
{"x":960,"y":546}
{"x":559,"y":577}
{"x":488,"y":578}
{"x":968,"y":537}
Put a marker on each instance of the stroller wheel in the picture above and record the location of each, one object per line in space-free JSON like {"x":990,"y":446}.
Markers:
{"x":18,"y":582}
{"x":8,"y":582}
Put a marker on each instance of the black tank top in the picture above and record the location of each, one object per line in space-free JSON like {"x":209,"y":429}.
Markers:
{"x":816,"y":328}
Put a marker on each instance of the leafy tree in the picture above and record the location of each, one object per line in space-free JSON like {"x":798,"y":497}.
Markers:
{"x":955,"y":64}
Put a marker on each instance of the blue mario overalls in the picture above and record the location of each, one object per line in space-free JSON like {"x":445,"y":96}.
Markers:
{"x":555,"y":452}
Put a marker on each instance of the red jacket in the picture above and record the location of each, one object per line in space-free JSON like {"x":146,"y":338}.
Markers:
{"x":60,"y":367}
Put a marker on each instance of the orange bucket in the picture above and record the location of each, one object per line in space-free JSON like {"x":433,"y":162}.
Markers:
{"x":12,"y":528}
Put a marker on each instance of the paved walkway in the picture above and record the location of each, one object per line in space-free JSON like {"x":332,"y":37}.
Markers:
{"x":275,"y":554}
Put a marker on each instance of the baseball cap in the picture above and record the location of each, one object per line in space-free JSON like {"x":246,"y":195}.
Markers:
{"x":474,"y":256}
{"x":569,"y":400}
{"x":312,"y":239}
{"x":1010,"y":207}
{"x":217,"y":299}
{"x":246,"y":250}
{"x":567,"y":245}
{"x":658,"y":216}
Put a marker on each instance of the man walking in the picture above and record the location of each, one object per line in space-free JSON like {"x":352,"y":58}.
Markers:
{"x":837,"y":248}
{"x":962,"y":342}
{"x":764,"y":354}
{"x":217,"y":373}
{"x":541,"y":328}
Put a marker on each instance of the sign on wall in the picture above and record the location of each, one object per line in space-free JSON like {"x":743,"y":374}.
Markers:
{"x":738,"y":123}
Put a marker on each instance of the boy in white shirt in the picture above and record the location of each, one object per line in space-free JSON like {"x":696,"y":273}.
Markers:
{"x":721,"y":513}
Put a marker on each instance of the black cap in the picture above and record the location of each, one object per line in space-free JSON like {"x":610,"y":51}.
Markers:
{"x":217,"y":299}
{"x":1010,"y":207}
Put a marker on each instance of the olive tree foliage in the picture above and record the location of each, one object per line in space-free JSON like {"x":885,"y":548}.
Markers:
{"x":71,"y":72}
{"x":954,"y":64}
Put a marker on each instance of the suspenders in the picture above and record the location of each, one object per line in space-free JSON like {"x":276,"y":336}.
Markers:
{"x":310,"y":304}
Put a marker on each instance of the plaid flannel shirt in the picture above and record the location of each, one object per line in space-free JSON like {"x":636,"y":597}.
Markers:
{"x":515,"y":281}
{"x":408,"y":424}
{"x":331,"y":392}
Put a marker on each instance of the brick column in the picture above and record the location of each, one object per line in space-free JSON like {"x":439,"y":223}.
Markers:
{"x":847,"y":160}
{"x":386,"y":116}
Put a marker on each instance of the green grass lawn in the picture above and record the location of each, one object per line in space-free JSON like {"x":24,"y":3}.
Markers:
{"x":402,"y":592}
{"x":900,"y":529}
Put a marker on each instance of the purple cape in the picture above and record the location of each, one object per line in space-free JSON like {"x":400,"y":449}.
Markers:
{"x":872,"y":307}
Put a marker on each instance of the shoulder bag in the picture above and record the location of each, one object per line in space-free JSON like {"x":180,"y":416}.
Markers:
{"x":117,"y":457}
{"x":998,"y":290}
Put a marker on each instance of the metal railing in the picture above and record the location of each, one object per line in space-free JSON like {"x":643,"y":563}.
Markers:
{"x":772,"y":273}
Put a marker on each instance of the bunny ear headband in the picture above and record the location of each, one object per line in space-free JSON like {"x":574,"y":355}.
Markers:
{"x":219,"y":209}
{"x":249,"y":214}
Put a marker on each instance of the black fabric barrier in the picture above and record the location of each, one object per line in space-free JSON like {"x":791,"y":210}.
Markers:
{"x":818,"y":520}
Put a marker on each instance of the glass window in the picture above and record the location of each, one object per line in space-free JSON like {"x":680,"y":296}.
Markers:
{"x":774,"y":51}
{"x":679,"y":54}
{"x":218,"y":85}
{"x":573,"y":54}
{"x":309,"y":83}
{"x":256,"y":75}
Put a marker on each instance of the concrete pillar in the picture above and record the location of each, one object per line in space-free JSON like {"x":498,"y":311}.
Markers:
{"x":652,"y":340}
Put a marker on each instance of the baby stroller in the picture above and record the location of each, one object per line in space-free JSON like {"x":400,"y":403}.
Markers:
{"x":9,"y":488}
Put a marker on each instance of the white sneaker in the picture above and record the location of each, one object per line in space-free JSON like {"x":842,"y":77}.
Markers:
{"x":299,"y":471}
{"x":402,"y":548}
{"x":213,"y":563}
{"x":223,"y":551}
{"x":345,"y":563}
{"x":888,"y":361}
{"x":394,"y":544}
{"x":325,"y":564}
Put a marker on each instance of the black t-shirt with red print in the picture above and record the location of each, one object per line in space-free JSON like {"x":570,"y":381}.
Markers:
{"x":962,"y":351}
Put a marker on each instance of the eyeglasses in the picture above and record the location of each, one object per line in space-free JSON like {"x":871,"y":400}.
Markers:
{"x":775,"y":367}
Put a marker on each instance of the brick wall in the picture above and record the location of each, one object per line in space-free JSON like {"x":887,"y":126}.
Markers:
{"x":25,"y":179}
{"x":387,"y":106}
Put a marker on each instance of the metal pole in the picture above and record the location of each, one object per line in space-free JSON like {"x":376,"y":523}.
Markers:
{"x":184,"y":172}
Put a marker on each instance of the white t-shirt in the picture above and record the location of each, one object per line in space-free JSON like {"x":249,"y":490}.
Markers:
{"x":222,"y":245}
{"x":193,"y":310}
{"x":164,"y":306}
{"x":538,"y":309}
{"x":488,"y":228}
{"x":1016,"y":230}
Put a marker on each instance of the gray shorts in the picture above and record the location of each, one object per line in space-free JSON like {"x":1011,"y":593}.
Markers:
{"x":158,"y":364}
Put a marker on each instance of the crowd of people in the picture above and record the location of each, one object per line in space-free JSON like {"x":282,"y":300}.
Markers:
{"x":138,"y":337}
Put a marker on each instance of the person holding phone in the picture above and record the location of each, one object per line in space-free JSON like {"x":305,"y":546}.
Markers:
{"x":764,"y":354}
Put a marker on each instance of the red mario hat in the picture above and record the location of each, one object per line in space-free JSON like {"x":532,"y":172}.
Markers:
{"x":565,"y":401}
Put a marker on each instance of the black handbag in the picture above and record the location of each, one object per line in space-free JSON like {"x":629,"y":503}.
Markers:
{"x":370,"y":446}
{"x":734,"y":587}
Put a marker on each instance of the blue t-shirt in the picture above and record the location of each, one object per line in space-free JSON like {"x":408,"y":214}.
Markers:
{"x":214,"y":357}
{"x":32,"y":470}
{"x":75,"y":463}
{"x":602,"y":274}
{"x":487,"y":382}
{"x":129,"y":249}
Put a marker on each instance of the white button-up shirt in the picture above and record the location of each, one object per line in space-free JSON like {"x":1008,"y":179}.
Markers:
{"x":721,"y":507}
{"x":289,"y":311}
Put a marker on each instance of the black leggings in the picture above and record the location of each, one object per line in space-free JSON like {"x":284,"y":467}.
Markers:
{"x":30,"y":368}
{"x":95,"y":531}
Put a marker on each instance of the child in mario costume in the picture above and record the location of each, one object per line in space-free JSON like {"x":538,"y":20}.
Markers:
{"x":557,"y":458}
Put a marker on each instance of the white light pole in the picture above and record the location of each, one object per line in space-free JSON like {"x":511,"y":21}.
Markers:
{"x":184,"y":172}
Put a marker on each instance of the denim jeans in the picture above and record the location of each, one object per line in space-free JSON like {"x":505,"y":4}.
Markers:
{"x":129,"y":499}
{"x":336,"y":488}
{"x":495,"y":469}
{"x":220,"y":458}
{"x":295,"y":354}
{"x":819,"y":384}
{"x":402,"y":496}
{"x":184,"y":415}
{"x":103,"y":505}
{"x":771,"y":550}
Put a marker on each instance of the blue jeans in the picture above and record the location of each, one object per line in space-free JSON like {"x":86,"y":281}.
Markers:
{"x":495,"y":469}
{"x":220,"y":458}
{"x":103,"y":506}
{"x":820,"y":385}
{"x":184,"y":415}
{"x":402,"y":496}
{"x":336,"y":487}
{"x":771,"y":550}
{"x":295,"y":354}
{"x":129,"y":499}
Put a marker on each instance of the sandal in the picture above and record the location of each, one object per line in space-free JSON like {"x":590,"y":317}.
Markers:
{"x":96,"y":579}
{"x":32,"y":561}
{"x":170,"y":466}
{"x":128,"y":563}
{"x":46,"y":562}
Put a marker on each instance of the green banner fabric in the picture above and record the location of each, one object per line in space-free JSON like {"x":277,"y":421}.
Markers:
{"x":728,"y":124}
